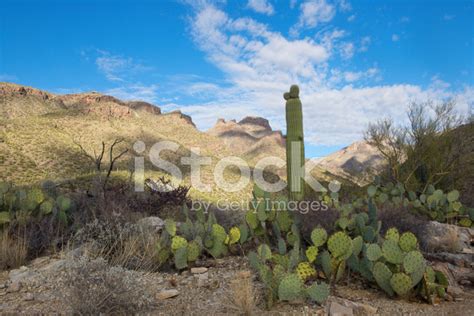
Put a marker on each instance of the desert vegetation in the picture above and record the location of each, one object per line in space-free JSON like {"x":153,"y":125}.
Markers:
{"x":107,"y":245}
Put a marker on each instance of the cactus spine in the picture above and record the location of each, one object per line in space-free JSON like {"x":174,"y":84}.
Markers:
{"x":294,"y":144}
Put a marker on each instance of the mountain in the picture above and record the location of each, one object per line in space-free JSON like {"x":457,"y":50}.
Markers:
{"x":41,"y":134}
{"x":356,"y":162}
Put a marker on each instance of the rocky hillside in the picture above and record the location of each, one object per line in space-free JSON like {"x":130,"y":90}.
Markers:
{"x":355,"y":162}
{"x":252,"y":137}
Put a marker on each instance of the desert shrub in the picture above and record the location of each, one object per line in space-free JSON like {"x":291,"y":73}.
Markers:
{"x":93,"y":287}
{"x":242,"y":297}
{"x":13,"y":251}
{"x":121,"y":244}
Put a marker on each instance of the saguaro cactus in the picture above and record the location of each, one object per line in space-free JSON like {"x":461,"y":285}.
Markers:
{"x":294,"y":144}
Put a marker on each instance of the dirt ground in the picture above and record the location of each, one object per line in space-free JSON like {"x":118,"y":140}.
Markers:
{"x":209,"y":293}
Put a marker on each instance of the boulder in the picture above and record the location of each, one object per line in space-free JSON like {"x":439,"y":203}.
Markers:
{"x":152,"y":224}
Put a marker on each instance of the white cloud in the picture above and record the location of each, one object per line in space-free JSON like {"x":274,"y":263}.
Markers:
{"x":313,"y":13}
{"x":293,"y":3}
{"x":117,"y":68}
{"x":347,"y":50}
{"x":344,"y":5}
{"x":261,"y":6}
{"x":259,"y":65}
{"x":395,"y":37}
{"x":351,"y":18}
{"x":135,"y":91}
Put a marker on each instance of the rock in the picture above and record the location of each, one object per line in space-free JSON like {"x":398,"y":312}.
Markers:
{"x":23,"y":273}
{"x":152,"y":224}
{"x":29,"y":297}
{"x":54,"y":266}
{"x":2,"y":286}
{"x":198,"y":270}
{"x":166,"y":294}
{"x":441,"y":237}
{"x":39,"y":261}
{"x":337,"y":309}
{"x":455,"y":291}
{"x":356,"y":308}
{"x":14,"y":287}
{"x":203,"y":276}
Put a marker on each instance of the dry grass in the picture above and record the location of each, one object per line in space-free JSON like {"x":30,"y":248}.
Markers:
{"x":120,"y":244}
{"x":92,"y":287}
{"x":13,"y":251}
{"x":242,"y":297}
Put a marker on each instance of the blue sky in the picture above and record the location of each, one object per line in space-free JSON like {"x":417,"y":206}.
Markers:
{"x":355,"y":61}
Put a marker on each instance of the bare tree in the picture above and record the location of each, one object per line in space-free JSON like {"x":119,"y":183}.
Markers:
{"x":98,"y":159}
{"x":421,"y":150}
{"x":390,"y":141}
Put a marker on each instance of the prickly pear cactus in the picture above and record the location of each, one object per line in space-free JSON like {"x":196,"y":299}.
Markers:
{"x":305,"y":271}
{"x":392,"y":234}
{"x":290,"y":288}
{"x":408,"y":242}
{"x":319,"y":236}
{"x":413,"y":261}
{"x":234,"y":235}
{"x":170,"y":226}
{"x":294,"y":144}
{"x":340,"y":245}
{"x":264,"y":252}
{"x":382,"y":276}
{"x":181,"y":258}
{"x":401,"y":283}
{"x":318,"y":292}
{"x":178,"y":242}
{"x":373,"y":252}
{"x":392,"y":252}
{"x":194,"y":251}
{"x":312,"y":253}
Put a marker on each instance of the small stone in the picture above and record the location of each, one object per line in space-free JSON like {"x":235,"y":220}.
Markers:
{"x":3,"y":286}
{"x":203,"y":276}
{"x":337,"y":309}
{"x":14,"y":287}
{"x":166,"y":294}
{"x":455,"y":291}
{"x":198,"y":270}
{"x":29,"y":297}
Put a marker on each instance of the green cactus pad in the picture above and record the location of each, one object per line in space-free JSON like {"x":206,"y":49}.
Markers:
{"x":281,"y":246}
{"x":401,"y":283}
{"x":64,"y":203}
{"x":382,"y":276}
{"x":305,"y":271}
{"x":251,"y":219}
{"x":319,"y":236}
{"x":34,"y":198}
{"x":465,"y":222}
{"x":340,"y":245}
{"x":392,"y":252}
{"x":312,"y":253}
{"x":357,"y":244}
{"x":178,"y":242}
{"x":441,"y":278}
{"x":453,"y":196}
{"x":290,"y":288}
{"x":413,"y":261}
{"x":373,"y":252}
{"x":170,"y":226}
{"x":284,"y":220}
{"x":368,"y":232}
{"x":318,"y":292}
{"x":47,"y":207}
{"x":194,"y":250}
{"x":234,"y":235}
{"x":325,"y":261}
{"x":408,"y":242}
{"x":181,"y":258}
{"x":392,"y":234}
{"x":264,"y":252}
{"x":218,"y":232}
